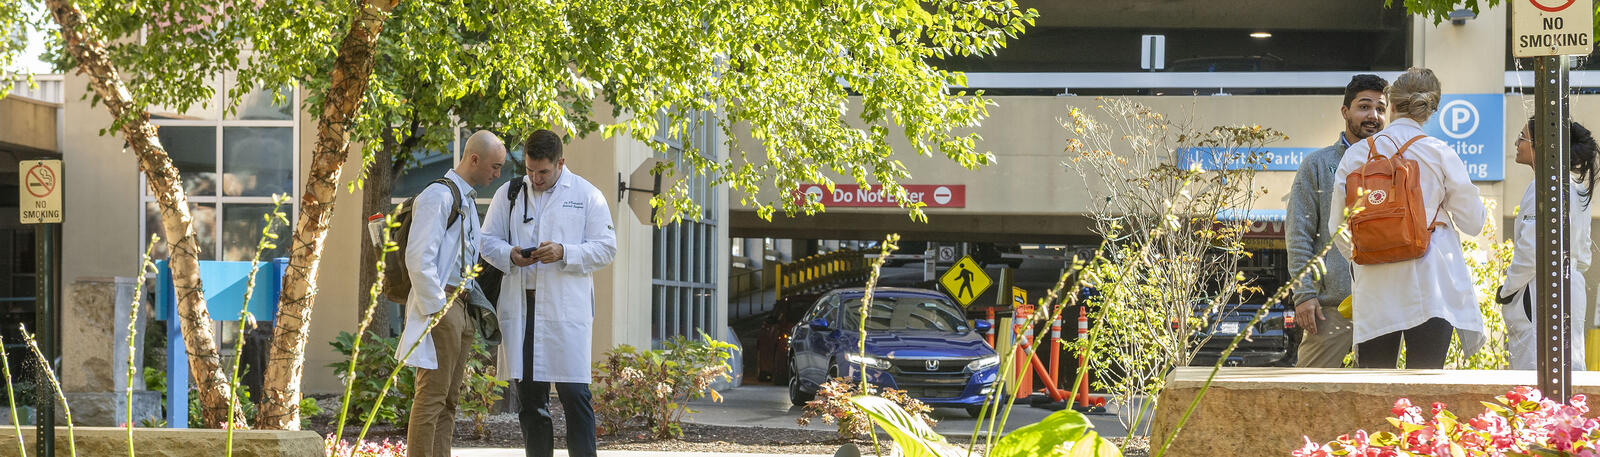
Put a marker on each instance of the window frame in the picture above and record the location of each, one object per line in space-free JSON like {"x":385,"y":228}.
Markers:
{"x":221,"y":123}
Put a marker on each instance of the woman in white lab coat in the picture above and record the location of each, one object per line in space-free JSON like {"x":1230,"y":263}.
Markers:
{"x":1424,"y":300}
{"x":1517,"y":300}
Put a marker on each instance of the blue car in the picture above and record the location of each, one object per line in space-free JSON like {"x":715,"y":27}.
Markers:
{"x":917,"y":341}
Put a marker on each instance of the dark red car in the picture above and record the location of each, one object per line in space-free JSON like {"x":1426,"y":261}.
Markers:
{"x":772,"y":339}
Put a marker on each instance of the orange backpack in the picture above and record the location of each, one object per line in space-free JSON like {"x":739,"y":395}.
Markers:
{"x":1389,"y":227}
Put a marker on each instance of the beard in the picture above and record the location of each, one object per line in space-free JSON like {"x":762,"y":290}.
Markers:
{"x":1362,"y":129}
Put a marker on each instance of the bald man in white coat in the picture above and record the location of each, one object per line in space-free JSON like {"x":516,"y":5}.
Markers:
{"x":549,"y":231}
{"x":439,"y":249}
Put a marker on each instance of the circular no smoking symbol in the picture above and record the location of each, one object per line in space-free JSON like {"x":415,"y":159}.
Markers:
{"x":41,"y":181}
{"x":1554,"y":6}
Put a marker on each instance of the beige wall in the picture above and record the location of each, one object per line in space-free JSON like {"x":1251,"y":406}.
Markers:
{"x":28,"y":124}
{"x":338,"y":303}
{"x":100,"y":227}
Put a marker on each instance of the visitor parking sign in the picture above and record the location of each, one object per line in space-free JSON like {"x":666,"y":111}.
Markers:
{"x":1474,"y":126}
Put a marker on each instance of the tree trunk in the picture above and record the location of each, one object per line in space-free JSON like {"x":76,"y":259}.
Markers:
{"x":375,"y":199}
{"x":88,"y":47}
{"x":280,"y":407}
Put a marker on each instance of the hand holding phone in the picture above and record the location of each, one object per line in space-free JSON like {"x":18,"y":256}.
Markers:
{"x":549,"y":252}
{"x":522,"y":257}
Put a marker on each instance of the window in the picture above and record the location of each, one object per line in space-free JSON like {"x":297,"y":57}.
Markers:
{"x":906,"y":313}
{"x":230,"y":166}
{"x":684,"y":270}
{"x":432,"y":165}
{"x":1205,"y":36}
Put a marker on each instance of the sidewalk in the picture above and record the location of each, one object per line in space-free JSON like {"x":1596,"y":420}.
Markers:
{"x":493,"y":452}
{"x":768,"y":406}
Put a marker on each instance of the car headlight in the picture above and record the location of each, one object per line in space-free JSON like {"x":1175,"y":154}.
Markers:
{"x":869,"y":361}
{"x":982,"y":363}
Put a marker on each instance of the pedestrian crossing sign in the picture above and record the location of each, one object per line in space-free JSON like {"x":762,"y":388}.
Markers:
{"x":965,"y":281}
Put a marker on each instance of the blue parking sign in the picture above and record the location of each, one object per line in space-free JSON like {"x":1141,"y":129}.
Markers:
{"x":1474,"y":126}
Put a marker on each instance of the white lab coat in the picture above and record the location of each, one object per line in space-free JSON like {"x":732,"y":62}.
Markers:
{"x":1520,"y":331}
{"x":1396,"y":296}
{"x":433,"y":260}
{"x":577,"y":216}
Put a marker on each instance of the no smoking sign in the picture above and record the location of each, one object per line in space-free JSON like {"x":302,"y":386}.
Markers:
{"x":39,"y":191}
{"x":1542,"y":28}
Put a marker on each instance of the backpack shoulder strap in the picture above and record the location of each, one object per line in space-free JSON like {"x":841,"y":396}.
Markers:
{"x":516,"y":188}
{"x":1372,"y":146}
{"x":1408,"y":145}
{"x":455,"y":203}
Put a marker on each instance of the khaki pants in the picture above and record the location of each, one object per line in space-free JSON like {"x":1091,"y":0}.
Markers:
{"x":1327,"y":348}
{"x":431,"y":429}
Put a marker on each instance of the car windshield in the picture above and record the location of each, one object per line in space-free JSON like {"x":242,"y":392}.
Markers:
{"x":906,"y":313}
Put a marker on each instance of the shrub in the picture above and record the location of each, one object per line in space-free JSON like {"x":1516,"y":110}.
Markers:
{"x":480,"y":389}
{"x":372,"y":370}
{"x":1523,"y":423}
{"x":833,"y":405}
{"x":1155,"y":187}
{"x":655,"y":387}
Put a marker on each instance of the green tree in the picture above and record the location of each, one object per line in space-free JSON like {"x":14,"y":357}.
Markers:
{"x":1439,"y":10}
{"x":818,"y":87}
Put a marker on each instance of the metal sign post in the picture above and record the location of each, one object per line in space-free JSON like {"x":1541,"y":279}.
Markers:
{"x":39,"y":198}
{"x":1550,"y":125}
{"x":47,"y":319}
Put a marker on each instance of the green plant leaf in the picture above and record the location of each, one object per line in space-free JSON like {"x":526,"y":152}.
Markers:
{"x":1062,"y":427}
{"x":915,"y":437}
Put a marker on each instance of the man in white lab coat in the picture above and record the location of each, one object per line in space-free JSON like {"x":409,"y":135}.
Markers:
{"x":548,"y":231}
{"x":440,"y":246}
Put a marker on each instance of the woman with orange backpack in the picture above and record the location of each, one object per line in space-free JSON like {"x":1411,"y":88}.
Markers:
{"x":1406,"y":196}
{"x":1516,"y":294}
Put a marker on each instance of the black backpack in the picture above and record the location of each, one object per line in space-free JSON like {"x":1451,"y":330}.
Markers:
{"x":396,"y":277}
{"x":489,"y":277}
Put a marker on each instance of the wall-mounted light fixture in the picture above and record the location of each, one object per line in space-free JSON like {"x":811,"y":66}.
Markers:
{"x":1260,"y":35}
{"x":1461,"y":16}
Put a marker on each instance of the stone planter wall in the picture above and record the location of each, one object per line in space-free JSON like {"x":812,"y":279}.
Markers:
{"x":171,"y":442}
{"x":1270,"y":411}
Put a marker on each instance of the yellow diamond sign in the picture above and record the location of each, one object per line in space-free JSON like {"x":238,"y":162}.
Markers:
{"x":965,"y":281}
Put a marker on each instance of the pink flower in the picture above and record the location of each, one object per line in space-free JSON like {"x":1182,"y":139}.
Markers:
{"x":1407,"y":413}
{"x":1312,"y":449}
{"x":1523,"y":393}
{"x":1401,"y":406}
{"x":1529,"y":421}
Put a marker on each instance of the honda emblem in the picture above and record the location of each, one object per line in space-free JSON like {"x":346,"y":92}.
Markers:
{"x":932,"y":364}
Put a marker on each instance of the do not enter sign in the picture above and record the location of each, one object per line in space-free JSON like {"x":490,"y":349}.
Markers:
{"x":1552,"y":27}
{"x":39,"y":191}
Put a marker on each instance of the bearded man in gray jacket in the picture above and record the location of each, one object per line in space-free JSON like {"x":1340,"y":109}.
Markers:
{"x":1327,"y":334}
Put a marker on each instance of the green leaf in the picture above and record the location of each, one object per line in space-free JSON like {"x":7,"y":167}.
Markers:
{"x":913,"y":435}
{"x":1065,"y":427}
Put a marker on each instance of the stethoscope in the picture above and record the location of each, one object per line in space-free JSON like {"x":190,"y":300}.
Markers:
{"x":527,"y":189}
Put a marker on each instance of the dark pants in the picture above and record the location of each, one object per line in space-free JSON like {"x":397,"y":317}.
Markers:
{"x":538,"y":431}
{"x":1426,"y":347}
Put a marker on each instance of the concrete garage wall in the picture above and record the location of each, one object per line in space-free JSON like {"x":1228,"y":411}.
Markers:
{"x":1029,"y":192}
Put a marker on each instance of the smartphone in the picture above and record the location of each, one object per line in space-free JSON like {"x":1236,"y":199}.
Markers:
{"x":528,"y":252}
